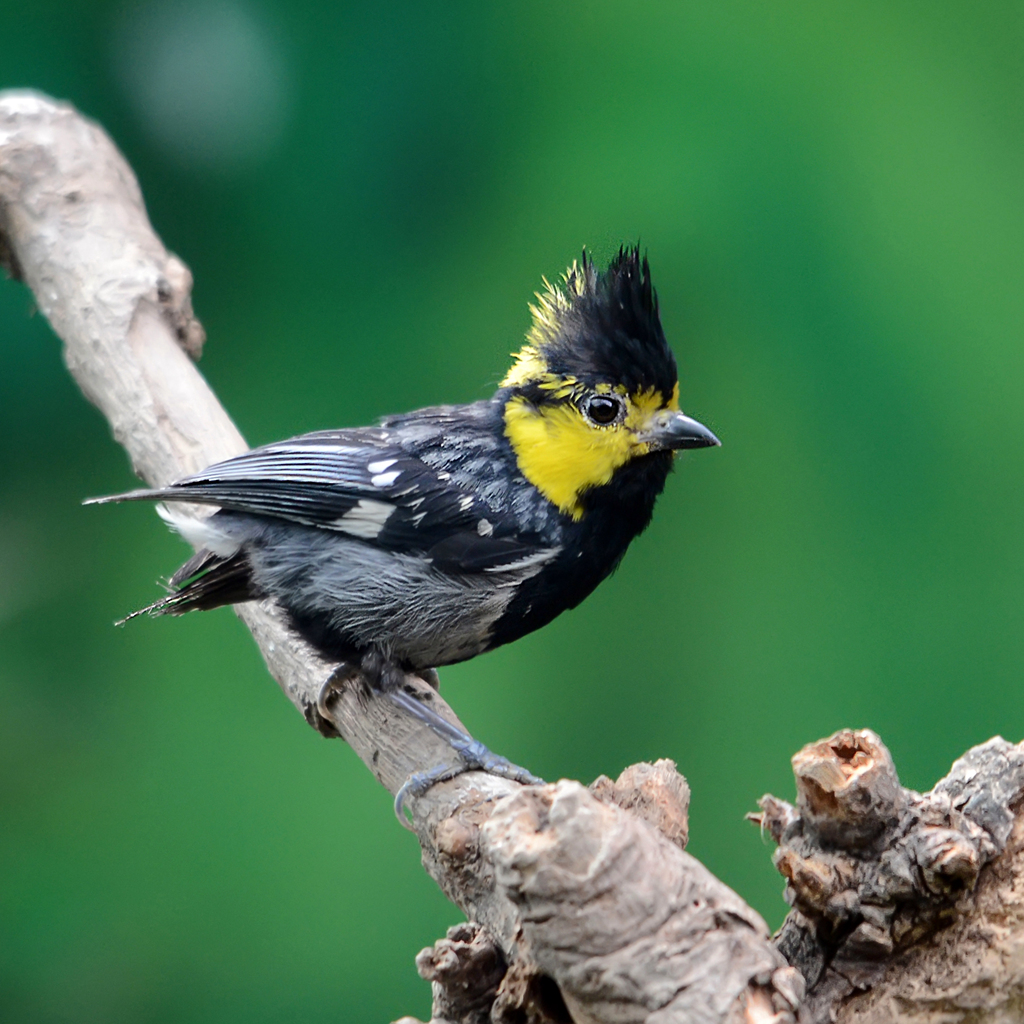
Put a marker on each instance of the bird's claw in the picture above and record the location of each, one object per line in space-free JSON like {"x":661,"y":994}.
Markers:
{"x":431,"y":678}
{"x":334,"y":683}
{"x":473,"y":756}
{"x":476,"y":757}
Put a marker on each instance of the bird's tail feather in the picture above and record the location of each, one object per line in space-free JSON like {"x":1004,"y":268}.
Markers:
{"x":205,"y":581}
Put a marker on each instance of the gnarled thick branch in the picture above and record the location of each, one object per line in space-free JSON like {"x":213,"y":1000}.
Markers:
{"x":881,"y":879}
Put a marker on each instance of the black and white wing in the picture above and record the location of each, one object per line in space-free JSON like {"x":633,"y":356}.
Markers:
{"x":360,"y":483}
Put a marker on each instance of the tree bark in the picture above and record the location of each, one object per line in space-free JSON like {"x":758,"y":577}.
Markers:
{"x":896,"y":912}
{"x":583,"y":905}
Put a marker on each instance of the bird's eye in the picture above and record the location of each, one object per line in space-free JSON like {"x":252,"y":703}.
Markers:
{"x":603,"y":409}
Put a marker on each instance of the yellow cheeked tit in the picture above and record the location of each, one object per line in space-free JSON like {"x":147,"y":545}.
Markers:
{"x":445,"y":532}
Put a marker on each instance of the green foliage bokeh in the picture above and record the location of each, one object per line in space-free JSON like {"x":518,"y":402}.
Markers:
{"x":831,"y":197}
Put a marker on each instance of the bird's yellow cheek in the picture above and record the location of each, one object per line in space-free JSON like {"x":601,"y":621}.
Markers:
{"x":563,"y":455}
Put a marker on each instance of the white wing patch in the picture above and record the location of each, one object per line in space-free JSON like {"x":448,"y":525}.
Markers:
{"x":319,"y":449}
{"x":365,"y":520}
{"x":380,"y":465}
{"x":534,"y":561}
{"x":385,"y":479}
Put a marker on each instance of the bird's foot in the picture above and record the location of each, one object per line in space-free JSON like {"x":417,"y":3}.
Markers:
{"x":472,"y":756}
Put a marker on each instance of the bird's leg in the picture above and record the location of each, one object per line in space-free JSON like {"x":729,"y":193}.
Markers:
{"x":472,"y":755}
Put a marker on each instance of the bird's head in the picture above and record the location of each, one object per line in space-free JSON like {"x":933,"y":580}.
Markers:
{"x":595,"y":387}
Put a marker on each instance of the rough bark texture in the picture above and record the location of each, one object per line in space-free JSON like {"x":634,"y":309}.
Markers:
{"x":971,"y":972}
{"x":583,"y":903}
{"x":884,"y":884}
{"x":631,"y":927}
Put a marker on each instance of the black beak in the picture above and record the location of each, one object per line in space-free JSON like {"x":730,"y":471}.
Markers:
{"x":673,"y":430}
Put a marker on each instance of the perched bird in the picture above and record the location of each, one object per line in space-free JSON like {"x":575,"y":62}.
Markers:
{"x":446,"y":532}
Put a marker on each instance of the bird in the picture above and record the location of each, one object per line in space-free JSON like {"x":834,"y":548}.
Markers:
{"x":443,"y":533}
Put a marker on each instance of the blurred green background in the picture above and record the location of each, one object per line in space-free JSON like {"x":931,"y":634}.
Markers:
{"x":368,"y":194}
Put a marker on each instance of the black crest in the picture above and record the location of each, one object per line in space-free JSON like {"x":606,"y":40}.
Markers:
{"x":605,"y":326}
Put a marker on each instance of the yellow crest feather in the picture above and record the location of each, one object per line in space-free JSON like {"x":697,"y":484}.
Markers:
{"x":551,"y":304}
